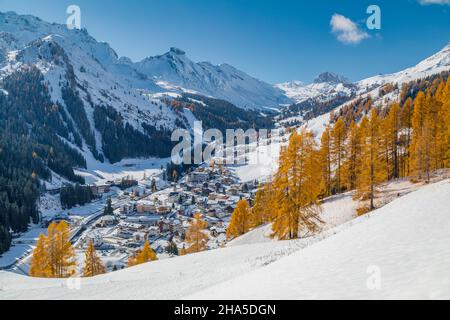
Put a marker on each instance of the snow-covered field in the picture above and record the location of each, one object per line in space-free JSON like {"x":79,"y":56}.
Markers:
{"x":100,"y":173}
{"x":404,"y":245}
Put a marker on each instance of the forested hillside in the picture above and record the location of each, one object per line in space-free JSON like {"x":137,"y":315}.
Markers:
{"x":121,"y":140}
{"x":31,"y":144}
{"x":358,"y":151}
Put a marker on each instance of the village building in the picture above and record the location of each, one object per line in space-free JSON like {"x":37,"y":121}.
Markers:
{"x":95,"y":238}
{"x":163,"y":210}
{"x":164,"y":225}
{"x":153,"y":231}
{"x":174,"y":197}
{"x":143,"y":207}
{"x":176,"y":226}
{"x":140,"y":237}
{"x":134,"y":227}
{"x":107,"y":221}
{"x":127,"y":209}
{"x":197,"y":177}
{"x":100,"y":190}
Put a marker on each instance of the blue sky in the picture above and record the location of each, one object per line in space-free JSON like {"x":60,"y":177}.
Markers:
{"x":273,"y":40}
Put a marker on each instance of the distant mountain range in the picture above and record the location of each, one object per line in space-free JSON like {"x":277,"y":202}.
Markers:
{"x":326,"y":84}
{"x":330,"y":85}
{"x":74,"y":65}
{"x":174,"y":70}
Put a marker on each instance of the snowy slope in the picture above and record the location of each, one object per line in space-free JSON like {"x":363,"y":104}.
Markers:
{"x":407,"y":240}
{"x":92,"y":67}
{"x":174,"y":69}
{"x":437,"y":63}
{"x":328,"y":84}
{"x":337,"y":211}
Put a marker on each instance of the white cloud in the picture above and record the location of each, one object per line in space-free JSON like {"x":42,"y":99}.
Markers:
{"x":346,"y":30}
{"x":425,"y":2}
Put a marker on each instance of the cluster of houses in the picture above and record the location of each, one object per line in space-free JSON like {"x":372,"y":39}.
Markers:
{"x":165,"y":216}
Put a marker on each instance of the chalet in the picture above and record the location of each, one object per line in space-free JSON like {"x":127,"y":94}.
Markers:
{"x":124,"y":234}
{"x":144,"y":221}
{"x":134,"y":227}
{"x":140,"y":237}
{"x":176,"y":226}
{"x":159,"y":246}
{"x":174,"y":197}
{"x":197,"y":177}
{"x":107,"y":221}
{"x":212,"y":196}
{"x":212,"y":212}
{"x":100,"y":190}
{"x":227,"y":181}
{"x":216,"y":231}
{"x":212,"y":204}
{"x":153,"y":231}
{"x":163,"y":210}
{"x":212,"y":221}
{"x":164,"y":225}
{"x":127,"y":209}
{"x":220,"y":213}
{"x":146,"y":207}
{"x":187,"y":210}
{"x":96,"y":239}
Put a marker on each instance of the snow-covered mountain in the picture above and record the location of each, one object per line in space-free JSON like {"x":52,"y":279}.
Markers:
{"x":329,"y":85}
{"x":134,"y":90}
{"x":330,"y":92}
{"x":93,"y":71}
{"x":137,"y":92}
{"x":326,"y":85}
{"x":99,"y":76}
{"x":174,"y":70}
{"x":437,"y":63}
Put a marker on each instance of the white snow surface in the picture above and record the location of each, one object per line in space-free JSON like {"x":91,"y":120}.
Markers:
{"x":406,"y":242}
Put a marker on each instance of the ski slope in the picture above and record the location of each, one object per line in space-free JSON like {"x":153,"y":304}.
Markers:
{"x":406,"y":241}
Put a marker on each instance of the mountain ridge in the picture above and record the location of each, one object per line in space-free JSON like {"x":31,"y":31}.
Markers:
{"x":224,"y":81}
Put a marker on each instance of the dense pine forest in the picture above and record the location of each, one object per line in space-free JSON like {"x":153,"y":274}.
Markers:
{"x":71,"y":196}
{"x":121,"y":140}
{"x":223,"y":115}
{"x":30,"y":146}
